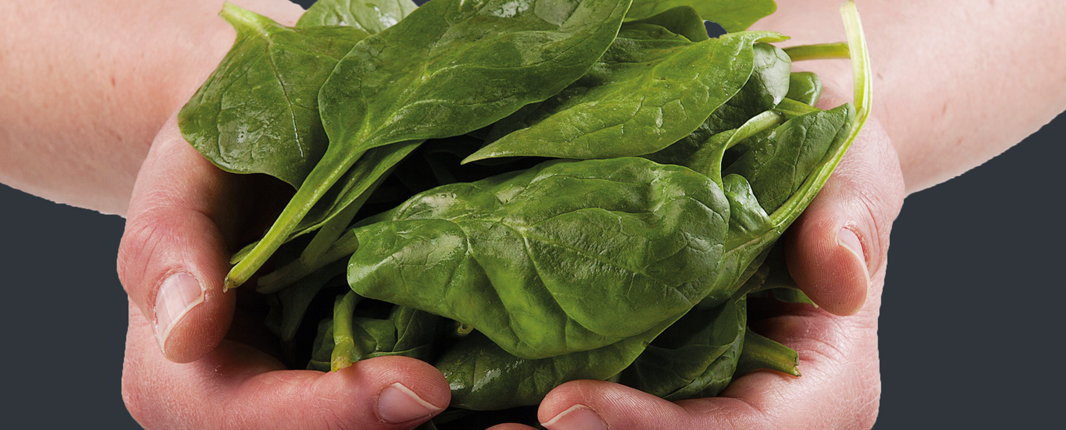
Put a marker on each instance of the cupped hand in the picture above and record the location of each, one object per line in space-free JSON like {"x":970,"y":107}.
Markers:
{"x":238,"y":385}
{"x":837,"y":254}
{"x":195,"y":358}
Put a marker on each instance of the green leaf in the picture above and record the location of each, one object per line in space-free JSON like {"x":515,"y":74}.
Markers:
{"x":732,"y":15}
{"x":258,"y":111}
{"x":777,"y":165}
{"x":804,"y":87}
{"x":371,"y":16}
{"x":450,"y":67}
{"x":644,"y":95}
{"x":295,"y":300}
{"x":763,"y":91}
{"x":695,"y":357}
{"x":483,"y":376}
{"x":681,"y":20}
{"x":564,"y":257}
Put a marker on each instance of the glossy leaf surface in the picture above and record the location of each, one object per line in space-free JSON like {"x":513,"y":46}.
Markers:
{"x":766,"y":87}
{"x":450,"y":67}
{"x":648,"y":91}
{"x":777,"y":165}
{"x":258,"y":112}
{"x":561,"y":258}
{"x":804,"y":87}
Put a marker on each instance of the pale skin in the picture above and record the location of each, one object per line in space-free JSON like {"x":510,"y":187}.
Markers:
{"x":87,"y":119}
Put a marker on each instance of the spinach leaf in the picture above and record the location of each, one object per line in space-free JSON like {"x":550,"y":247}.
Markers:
{"x":407,"y":332}
{"x":732,"y":15}
{"x":449,"y":68}
{"x":258,"y":112}
{"x":371,"y":16}
{"x":483,"y":376}
{"x":564,"y":257}
{"x":777,"y":165}
{"x":294,"y":301}
{"x":642,"y":96}
{"x":681,"y":20}
{"x":695,"y":357}
{"x":763,"y":91}
{"x":804,"y":87}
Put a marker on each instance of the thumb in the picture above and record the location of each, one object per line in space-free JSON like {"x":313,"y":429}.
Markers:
{"x":842,"y":238}
{"x":173,"y":256}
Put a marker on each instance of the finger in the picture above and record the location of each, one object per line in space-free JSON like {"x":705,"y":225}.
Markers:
{"x":839,"y":389}
{"x":236,"y":386}
{"x":843,"y":236}
{"x":173,"y":256}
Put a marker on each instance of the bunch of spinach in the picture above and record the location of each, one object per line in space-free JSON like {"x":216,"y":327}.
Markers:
{"x":527,"y":192}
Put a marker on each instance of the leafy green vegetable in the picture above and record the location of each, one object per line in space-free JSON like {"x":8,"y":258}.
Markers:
{"x":766,"y":87}
{"x":258,"y":112}
{"x":561,"y":258}
{"x":641,"y":97}
{"x":777,"y":169}
{"x":695,"y":357}
{"x":371,"y":16}
{"x":484,"y":377}
{"x":732,"y":15}
{"x":681,"y":20}
{"x":804,"y":87}
{"x":633,"y":261}
{"x":475,"y":62}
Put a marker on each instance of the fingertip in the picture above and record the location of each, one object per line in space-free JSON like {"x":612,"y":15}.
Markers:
{"x":605,"y":405}
{"x":828,"y":263}
{"x":172,"y":256}
{"x":190,"y":319}
{"x":397,"y":390}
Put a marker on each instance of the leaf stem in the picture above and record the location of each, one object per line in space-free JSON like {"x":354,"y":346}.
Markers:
{"x":760,"y":352}
{"x":324,"y":175}
{"x":344,"y":342}
{"x":860,"y":66}
{"x":819,"y":51}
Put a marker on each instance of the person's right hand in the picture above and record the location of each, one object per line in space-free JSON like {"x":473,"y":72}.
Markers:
{"x":194,"y":358}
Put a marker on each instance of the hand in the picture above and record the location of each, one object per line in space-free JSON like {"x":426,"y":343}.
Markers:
{"x":194,"y":358}
{"x":840,"y":386}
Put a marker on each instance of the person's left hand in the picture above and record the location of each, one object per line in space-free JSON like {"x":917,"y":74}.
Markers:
{"x":836,"y":343}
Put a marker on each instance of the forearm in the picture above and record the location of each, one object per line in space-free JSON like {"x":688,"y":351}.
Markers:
{"x":955,"y":82}
{"x":88,"y":84}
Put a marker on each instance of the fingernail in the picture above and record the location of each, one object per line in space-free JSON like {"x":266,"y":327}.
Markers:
{"x":848,"y":239}
{"x":398,"y":404}
{"x":578,"y":417}
{"x":178,"y":294}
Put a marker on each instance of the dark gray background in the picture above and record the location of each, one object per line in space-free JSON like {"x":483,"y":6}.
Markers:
{"x":969,"y":334}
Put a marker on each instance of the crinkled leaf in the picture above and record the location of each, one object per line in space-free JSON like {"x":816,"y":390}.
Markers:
{"x":258,"y":111}
{"x":564,"y":257}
